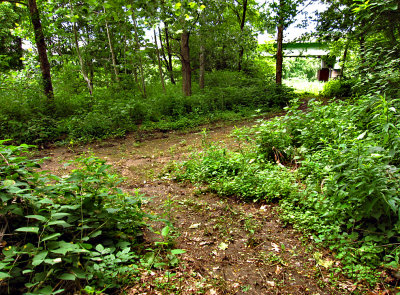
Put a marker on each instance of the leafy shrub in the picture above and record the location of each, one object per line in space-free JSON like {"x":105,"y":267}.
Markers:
{"x":61,"y":232}
{"x":347,"y":156}
{"x":243,"y":174}
{"x":339,"y":88}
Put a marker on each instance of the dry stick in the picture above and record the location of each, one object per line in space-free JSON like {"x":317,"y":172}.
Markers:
{"x":3,"y":230}
{"x":8,"y":164}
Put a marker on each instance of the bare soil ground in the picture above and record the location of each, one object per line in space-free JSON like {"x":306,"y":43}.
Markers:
{"x":231,"y":247}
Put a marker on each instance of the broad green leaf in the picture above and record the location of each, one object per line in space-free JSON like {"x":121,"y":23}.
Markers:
{"x":177,"y":251}
{"x":59,"y":222}
{"x":39,"y":258}
{"x":52,"y":236}
{"x":48,"y":290}
{"x":67,"y":277}
{"x":4,"y":275}
{"x":8,"y":182}
{"x":59,"y":215}
{"x":25,"y":271}
{"x":165,"y":231}
{"x":38,"y":217}
{"x":28,"y":229}
{"x":99,"y":248}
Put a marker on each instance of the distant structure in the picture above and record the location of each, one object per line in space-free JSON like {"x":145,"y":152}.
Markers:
{"x":315,"y":50}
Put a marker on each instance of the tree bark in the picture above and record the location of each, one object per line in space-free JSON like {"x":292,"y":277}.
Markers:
{"x":185,"y":59}
{"x":279,"y":41}
{"x":242,"y":23}
{"x":138,"y":52}
{"x":346,"y":49}
{"x":279,"y":56}
{"x":168,"y":62}
{"x":159,"y":61}
{"x":42,"y":51}
{"x":202,"y":66}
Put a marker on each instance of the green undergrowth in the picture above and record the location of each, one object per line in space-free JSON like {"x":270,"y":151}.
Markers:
{"x":71,"y":233}
{"x":334,"y":169}
{"x":114,"y":110}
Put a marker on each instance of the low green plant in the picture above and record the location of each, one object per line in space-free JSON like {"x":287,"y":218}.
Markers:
{"x":64,"y":232}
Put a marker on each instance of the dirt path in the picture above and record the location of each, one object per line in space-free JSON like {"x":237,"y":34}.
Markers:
{"x":231,"y":247}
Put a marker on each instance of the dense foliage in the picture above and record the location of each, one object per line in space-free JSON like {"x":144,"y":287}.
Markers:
{"x":77,"y":231}
{"x":115,"y":111}
{"x":75,"y":71}
{"x":346,"y":185}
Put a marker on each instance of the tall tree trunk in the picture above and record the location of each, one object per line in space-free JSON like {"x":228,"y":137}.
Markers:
{"x":139,"y":53}
{"x":168,"y":47}
{"x":185,"y":59}
{"x":42,"y":51}
{"x":346,"y":49}
{"x":113,"y":60}
{"x":20,"y":52}
{"x":81,"y":61}
{"x":279,"y":56}
{"x":202,"y":66}
{"x":159,"y":61}
{"x":279,"y":41}
{"x":242,"y":23}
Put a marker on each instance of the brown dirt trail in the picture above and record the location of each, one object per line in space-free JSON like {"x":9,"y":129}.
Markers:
{"x":231,"y":247}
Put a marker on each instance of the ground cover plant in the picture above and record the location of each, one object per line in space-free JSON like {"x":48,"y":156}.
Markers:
{"x":74,"y":232}
{"x":334,"y":170}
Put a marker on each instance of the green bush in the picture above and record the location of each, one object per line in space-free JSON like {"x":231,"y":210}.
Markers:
{"x":339,"y":88}
{"x":65,"y":232}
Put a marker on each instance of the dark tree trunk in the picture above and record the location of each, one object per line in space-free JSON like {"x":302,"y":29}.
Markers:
{"x":185,"y":59}
{"x":159,"y":62}
{"x":242,"y":23}
{"x":169,"y":52}
{"x":346,"y":49}
{"x":279,"y":41}
{"x":139,"y":53}
{"x":202,"y":66}
{"x":279,"y":56}
{"x":20,"y":51}
{"x":42,"y":51}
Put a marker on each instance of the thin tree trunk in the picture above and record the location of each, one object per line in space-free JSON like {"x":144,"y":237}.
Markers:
{"x":279,"y":56}
{"x":81,"y":61}
{"x":20,"y":52}
{"x":202,"y":66}
{"x":346,"y":49}
{"x":242,"y":23}
{"x":113,"y":60}
{"x":140,"y":55}
{"x":279,"y":41}
{"x":159,"y":61}
{"x":169,"y":61}
{"x":185,"y":59}
{"x":42,"y":51}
